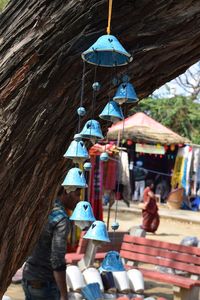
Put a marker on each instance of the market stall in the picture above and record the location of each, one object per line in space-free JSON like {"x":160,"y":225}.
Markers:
{"x":153,"y":145}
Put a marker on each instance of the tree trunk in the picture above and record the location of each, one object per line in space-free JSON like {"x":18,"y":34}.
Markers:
{"x":40,"y":79}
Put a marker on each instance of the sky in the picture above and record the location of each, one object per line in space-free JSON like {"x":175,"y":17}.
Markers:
{"x":172,"y":88}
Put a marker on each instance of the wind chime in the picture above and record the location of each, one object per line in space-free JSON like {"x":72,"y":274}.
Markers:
{"x":105,"y":52}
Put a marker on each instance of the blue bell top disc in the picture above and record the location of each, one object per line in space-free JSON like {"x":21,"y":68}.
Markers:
{"x":107,"y":52}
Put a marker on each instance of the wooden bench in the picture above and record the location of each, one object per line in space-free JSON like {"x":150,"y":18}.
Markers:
{"x":115,"y":244}
{"x":150,"y":253}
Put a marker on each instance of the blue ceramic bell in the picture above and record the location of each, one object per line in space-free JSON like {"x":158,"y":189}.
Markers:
{"x":97,"y":232}
{"x":125,"y":93}
{"x":104,"y":156}
{"x":91,"y":130}
{"x":77,"y":152}
{"x":107,"y":52}
{"x":112,"y":262}
{"x":77,"y":137}
{"x":74,"y":179}
{"x":112,"y":112}
{"x":83,"y":212}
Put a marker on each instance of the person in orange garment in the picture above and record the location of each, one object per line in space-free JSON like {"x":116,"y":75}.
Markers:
{"x":150,"y":214}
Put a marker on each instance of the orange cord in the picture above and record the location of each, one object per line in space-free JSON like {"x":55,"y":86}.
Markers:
{"x":109,"y":16}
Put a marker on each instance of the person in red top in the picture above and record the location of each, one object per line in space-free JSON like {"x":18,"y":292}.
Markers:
{"x":150,"y":214}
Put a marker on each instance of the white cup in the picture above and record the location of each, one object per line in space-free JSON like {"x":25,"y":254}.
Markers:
{"x":136,"y":280}
{"x":121,"y":281}
{"x":75,"y":280}
{"x":92,"y":275}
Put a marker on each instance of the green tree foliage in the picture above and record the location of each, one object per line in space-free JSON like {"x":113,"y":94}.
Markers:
{"x":3,"y":4}
{"x":181,"y":114}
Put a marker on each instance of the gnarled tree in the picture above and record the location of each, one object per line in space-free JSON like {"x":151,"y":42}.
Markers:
{"x":40,"y":74}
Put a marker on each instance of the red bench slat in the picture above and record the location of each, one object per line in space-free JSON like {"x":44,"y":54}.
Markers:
{"x":160,"y":261}
{"x":162,"y":245}
{"x":73,"y":258}
{"x":176,"y":256}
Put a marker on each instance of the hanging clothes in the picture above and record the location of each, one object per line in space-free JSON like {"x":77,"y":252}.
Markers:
{"x":124,"y":175}
{"x":186,"y":174}
{"x":178,"y":172}
{"x":96,"y":182}
{"x":196,"y":169}
{"x":189,"y":171}
{"x":110,"y":174}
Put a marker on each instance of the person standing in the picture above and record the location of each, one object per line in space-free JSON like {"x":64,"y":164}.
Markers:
{"x":151,"y":219}
{"x":44,"y":273}
{"x":139,"y":174}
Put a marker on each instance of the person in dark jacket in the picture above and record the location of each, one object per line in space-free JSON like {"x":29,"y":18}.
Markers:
{"x":139,"y":174}
{"x":44,"y":274}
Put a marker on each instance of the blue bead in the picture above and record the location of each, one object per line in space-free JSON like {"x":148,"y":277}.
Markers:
{"x":104,"y":156}
{"x":87,"y":166}
{"x":115,"y":81}
{"x":81,"y":111}
{"x":125,"y":78}
{"x":115,"y":225}
{"x":96,"y":86}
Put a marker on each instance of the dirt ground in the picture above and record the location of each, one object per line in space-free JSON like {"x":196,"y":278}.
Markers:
{"x":172,"y":231}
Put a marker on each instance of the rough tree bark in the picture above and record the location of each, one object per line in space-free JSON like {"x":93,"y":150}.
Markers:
{"x":40,"y":73}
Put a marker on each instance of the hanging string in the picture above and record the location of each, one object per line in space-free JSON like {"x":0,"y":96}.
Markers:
{"x":116,"y":75}
{"x":149,"y":170}
{"x":83,"y":191}
{"x":94,"y":93}
{"x":82,"y":84}
{"x":109,"y":15}
{"x":119,"y":163}
{"x":153,"y":171}
{"x":109,"y":99}
{"x":93,"y":97}
{"x":120,"y":156}
{"x":82,"y":94}
{"x":78,"y":164}
{"x":81,"y":104}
